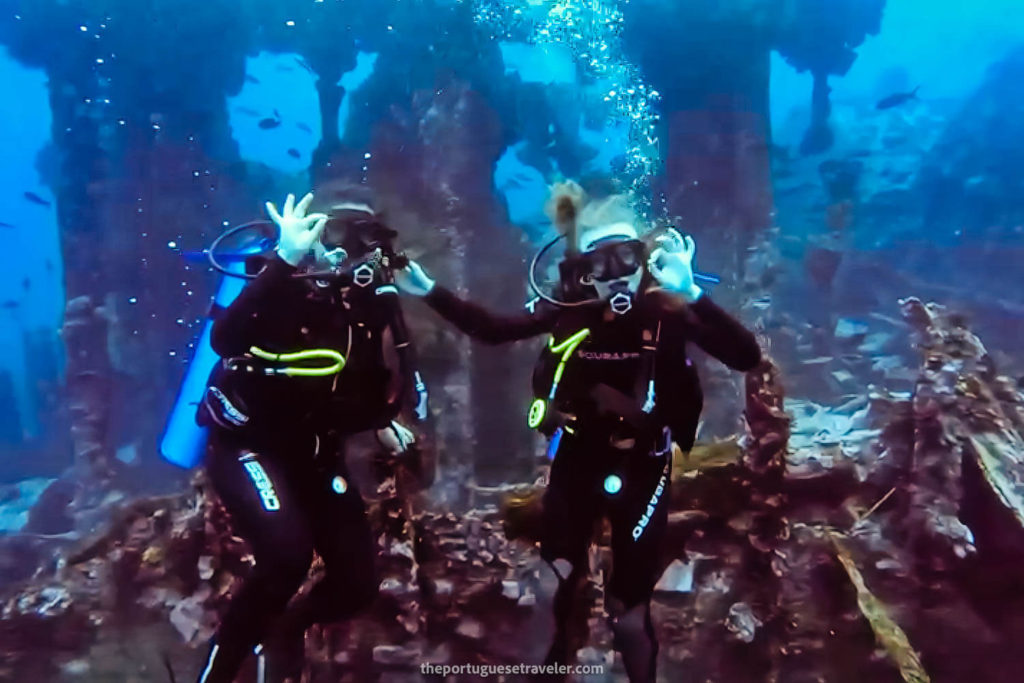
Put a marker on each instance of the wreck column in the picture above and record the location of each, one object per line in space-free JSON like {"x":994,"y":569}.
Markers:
{"x":462,"y":142}
{"x":712,"y":69}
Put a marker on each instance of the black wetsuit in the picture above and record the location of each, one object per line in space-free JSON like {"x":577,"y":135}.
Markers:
{"x":281,"y":474}
{"x":579,"y":491}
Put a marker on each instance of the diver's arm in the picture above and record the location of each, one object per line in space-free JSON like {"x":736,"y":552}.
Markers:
{"x":704,"y":322}
{"x":471,"y":318}
{"x":232,"y":332}
{"x":481,"y":324}
{"x":235,"y":327}
{"x":721,"y":335}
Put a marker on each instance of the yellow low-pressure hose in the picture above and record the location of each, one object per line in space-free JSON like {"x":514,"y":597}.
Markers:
{"x":336,"y":360}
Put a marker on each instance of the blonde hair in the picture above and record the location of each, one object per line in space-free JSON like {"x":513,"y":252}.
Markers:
{"x":565,"y":202}
{"x":601,"y":212}
{"x":569,"y":206}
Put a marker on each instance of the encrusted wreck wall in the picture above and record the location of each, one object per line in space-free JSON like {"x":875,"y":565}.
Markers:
{"x":891,"y":555}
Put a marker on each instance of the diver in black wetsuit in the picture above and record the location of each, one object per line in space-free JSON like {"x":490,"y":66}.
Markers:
{"x":303,"y":366}
{"x":614,"y":387}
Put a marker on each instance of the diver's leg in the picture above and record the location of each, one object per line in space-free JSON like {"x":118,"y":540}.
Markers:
{"x":638,"y":519}
{"x":343,"y":539}
{"x":265,"y":511}
{"x":568,"y":636}
{"x":570,"y":508}
{"x":634,"y":638}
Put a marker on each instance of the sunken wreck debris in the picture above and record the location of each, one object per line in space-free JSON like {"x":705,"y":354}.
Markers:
{"x":886,"y":554}
{"x":89,"y":385}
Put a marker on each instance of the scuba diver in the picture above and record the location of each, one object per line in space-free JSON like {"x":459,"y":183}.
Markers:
{"x":303,"y":366}
{"x":614,"y":388}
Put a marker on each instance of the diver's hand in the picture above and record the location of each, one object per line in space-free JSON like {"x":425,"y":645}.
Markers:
{"x":299,"y":232}
{"x":671,"y":264}
{"x":395,"y":438}
{"x":414,"y":280}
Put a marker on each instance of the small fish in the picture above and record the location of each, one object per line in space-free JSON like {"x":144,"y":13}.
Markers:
{"x":251,"y":79}
{"x":268,"y":123}
{"x":897,"y":99}
{"x":36,"y":199}
{"x":5,"y":225}
{"x":304,"y":64}
{"x":301,"y":126}
{"x":294,"y":153}
{"x":761,"y":303}
{"x":247,"y":111}
{"x":11,"y":304}
{"x":820,"y":360}
{"x":49,"y":265}
{"x":26,"y":284}
{"x":284,"y":67}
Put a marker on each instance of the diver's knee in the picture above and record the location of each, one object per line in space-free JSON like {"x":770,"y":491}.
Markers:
{"x":628,"y":622}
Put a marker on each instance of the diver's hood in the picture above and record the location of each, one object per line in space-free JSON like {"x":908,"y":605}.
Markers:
{"x":591,"y":237}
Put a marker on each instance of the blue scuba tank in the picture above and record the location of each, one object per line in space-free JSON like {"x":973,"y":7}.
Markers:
{"x":183,"y":440}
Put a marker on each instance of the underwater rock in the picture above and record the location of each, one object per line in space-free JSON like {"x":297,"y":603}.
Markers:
{"x":677,"y":578}
{"x":749,"y":563}
{"x":188,"y":616}
{"x":742,"y":623}
{"x":962,"y":409}
{"x":51,"y":513}
{"x":136,"y":566}
{"x":965,"y":175}
{"x":17,"y":500}
{"x":397,"y":656}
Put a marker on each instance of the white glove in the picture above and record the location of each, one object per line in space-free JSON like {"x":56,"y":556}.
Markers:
{"x":671,"y":264}
{"x":414,"y":280}
{"x":395,"y":438}
{"x":299,"y":232}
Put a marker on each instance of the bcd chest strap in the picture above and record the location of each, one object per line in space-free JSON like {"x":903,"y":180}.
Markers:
{"x":636,"y":410}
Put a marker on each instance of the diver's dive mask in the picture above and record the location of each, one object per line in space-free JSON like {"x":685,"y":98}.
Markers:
{"x":615,"y":271}
{"x":360,"y":243}
{"x":615,"y":260}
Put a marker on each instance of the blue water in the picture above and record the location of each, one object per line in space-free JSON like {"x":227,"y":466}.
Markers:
{"x":945,"y":47}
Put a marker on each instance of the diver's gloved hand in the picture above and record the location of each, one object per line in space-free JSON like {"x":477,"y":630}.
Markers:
{"x":395,"y":438}
{"x":671,"y":264}
{"x":299,"y":232}
{"x":414,"y":280}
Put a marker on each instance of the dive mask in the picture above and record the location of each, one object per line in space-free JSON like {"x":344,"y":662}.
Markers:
{"x":366,"y":243}
{"x":616,"y":260}
{"x":357,"y":232}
